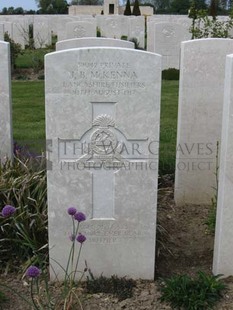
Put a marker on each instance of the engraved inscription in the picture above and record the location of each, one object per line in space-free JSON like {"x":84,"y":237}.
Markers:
{"x":104,"y":78}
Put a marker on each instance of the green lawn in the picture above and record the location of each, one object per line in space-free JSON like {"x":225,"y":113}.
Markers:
{"x":29,"y":119}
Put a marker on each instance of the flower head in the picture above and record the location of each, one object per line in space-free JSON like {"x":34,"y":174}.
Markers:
{"x":81,"y":238}
{"x":8,"y":210}
{"x":80,"y":217}
{"x":33,"y":272}
{"x":72,"y":211}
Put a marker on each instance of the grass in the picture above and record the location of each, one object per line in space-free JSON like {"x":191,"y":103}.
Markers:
{"x":29,"y":119}
{"x":29,"y":114}
{"x":29,"y":58}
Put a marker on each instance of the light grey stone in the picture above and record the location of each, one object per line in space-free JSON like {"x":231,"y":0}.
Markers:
{"x":96,"y":98}
{"x":223,"y":250}
{"x":199,"y":118}
{"x":137,"y":29}
{"x":164,"y":38}
{"x":81,"y":29}
{"x":6,"y":140}
{"x":42,"y":33}
{"x":8,"y":27}
{"x":1,"y":32}
{"x":114,"y":26}
{"x":21,"y":32}
{"x":91,"y":42}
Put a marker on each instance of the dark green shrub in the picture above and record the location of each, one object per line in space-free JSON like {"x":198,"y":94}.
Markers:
{"x":98,"y":32}
{"x":15,"y":48}
{"x":171,"y":74}
{"x":136,"y":8}
{"x":184,"y":292}
{"x":124,"y":38}
{"x":122,"y":288}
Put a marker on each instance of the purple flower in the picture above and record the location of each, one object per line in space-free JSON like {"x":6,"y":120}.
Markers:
{"x":81,"y":238}
{"x":33,"y":272}
{"x":80,"y":217}
{"x":8,"y":210}
{"x":71,"y":211}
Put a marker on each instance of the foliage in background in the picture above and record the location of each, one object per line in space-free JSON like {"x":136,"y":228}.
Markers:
{"x":127,"y":11}
{"x":200,"y":293}
{"x":15,"y":48}
{"x":52,"y":6}
{"x":136,"y":8}
{"x":23,"y":185}
{"x":204,"y":26}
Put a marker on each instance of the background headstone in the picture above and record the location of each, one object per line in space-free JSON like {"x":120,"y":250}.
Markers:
{"x":91,"y":42}
{"x":223,"y":250}
{"x":6,"y":140}
{"x":109,"y":96}
{"x":81,"y":29}
{"x":1,"y":32}
{"x":202,"y":74}
{"x":42,"y":33}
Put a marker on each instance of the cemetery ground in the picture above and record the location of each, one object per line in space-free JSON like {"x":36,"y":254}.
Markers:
{"x":184,"y":239}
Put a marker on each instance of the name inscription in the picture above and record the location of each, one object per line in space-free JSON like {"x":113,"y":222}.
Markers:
{"x":104,"y":78}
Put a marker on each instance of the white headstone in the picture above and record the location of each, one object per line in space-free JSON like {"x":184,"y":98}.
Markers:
{"x":1,"y":32}
{"x":41,"y":33}
{"x":102,"y":117}
{"x":91,"y":42}
{"x":113,"y":26}
{"x":199,"y":118}
{"x":165,"y":38}
{"x":81,"y":29}
{"x":137,"y":29}
{"x":6,"y":141}
{"x":8,"y":27}
{"x":21,"y":32}
{"x":223,"y":250}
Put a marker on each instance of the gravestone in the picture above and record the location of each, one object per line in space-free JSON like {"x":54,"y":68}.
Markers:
{"x":91,"y":42}
{"x":6,"y":140}
{"x":1,"y":32}
{"x":137,"y":29}
{"x":165,"y":38}
{"x":223,"y":250}
{"x":81,"y":29}
{"x":41,"y":33}
{"x":114,"y":26}
{"x":102,"y":121}
{"x":199,"y":118}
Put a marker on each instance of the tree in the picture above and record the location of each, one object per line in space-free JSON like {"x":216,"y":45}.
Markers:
{"x":136,"y":8}
{"x":180,"y":6}
{"x":53,"y":6}
{"x":127,"y":8}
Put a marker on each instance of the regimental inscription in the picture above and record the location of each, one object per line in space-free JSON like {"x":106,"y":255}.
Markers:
{"x":104,"y":79}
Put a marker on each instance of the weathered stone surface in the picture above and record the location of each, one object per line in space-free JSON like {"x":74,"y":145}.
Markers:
{"x":81,"y":29}
{"x":5,"y":103}
{"x":91,"y":42}
{"x":102,"y":118}
{"x":199,"y":118}
{"x":223,"y":250}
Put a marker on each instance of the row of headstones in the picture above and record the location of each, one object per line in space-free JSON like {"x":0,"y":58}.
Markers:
{"x":112,"y":95}
{"x":72,"y":27}
{"x":164,"y":32}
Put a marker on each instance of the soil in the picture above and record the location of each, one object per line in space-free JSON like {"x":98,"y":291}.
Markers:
{"x":185,"y":247}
